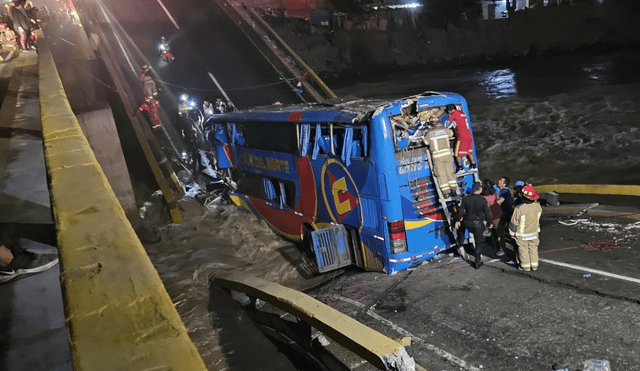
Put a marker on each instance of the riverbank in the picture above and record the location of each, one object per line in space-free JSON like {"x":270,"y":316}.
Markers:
{"x":386,"y":40}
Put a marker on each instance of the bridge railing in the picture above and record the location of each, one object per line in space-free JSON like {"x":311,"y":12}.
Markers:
{"x":118,"y":313}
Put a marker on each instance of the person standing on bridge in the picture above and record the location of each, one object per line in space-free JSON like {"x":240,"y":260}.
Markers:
{"x":464,"y":140}
{"x":16,"y":261}
{"x":152,"y":107}
{"x":22,"y":24}
{"x":148,"y":83}
{"x":525,"y":228}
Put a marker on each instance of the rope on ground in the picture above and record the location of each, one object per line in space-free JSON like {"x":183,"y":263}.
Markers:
{"x":571,"y":222}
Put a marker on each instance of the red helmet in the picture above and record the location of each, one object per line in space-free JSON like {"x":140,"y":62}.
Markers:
{"x":530,"y":193}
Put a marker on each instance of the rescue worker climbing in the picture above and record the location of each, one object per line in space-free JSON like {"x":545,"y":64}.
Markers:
{"x":464,"y":140}
{"x":165,"y":50}
{"x":525,"y":228}
{"x":148,"y":83}
{"x":152,"y":107}
{"x":185,"y":106}
{"x":438,"y":141}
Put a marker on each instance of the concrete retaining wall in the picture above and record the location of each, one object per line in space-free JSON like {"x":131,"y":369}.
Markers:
{"x":119,"y":316}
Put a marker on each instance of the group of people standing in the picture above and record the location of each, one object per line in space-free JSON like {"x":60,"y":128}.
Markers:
{"x":22,"y":18}
{"x":506,"y":214}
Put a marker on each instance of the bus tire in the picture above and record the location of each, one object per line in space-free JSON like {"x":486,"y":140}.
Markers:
{"x":307,"y":242}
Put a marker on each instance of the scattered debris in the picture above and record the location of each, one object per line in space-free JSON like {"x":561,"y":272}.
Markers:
{"x":596,"y":365}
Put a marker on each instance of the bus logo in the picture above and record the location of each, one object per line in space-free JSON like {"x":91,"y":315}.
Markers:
{"x":340,"y":194}
{"x":342,"y":198}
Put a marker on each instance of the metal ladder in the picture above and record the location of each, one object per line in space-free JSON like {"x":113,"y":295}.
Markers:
{"x":443,"y":201}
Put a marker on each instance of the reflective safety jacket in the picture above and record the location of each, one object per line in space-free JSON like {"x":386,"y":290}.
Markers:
{"x":525,"y":222}
{"x":438,"y":140}
{"x":152,"y":107}
{"x":207,"y":110}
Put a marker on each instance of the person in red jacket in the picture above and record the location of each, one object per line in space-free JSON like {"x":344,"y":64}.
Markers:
{"x":152,"y":107}
{"x":165,"y":50}
{"x":464,"y":140}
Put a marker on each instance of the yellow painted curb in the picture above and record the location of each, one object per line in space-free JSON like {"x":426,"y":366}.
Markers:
{"x":119,"y":315}
{"x":598,"y":189}
{"x":377,"y":349}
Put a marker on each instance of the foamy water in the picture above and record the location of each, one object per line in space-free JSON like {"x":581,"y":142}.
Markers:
{"x":556,"y":119}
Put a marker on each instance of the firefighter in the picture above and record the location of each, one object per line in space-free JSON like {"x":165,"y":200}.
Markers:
{"x":525,"y":228}
{"x":148,"y":83}
{"x":464,"y":140}
{"x":438,"y":141}
{"x":152,"y":107}
{"x":165,"y":50}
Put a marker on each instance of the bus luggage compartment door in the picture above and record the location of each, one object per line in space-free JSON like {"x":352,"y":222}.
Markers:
{"x":331,"y":246}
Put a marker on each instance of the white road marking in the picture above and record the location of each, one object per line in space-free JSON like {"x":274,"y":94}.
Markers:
{"x":219,"y":87}
{"x":440,"y":352}
{"x":589,"y":270}
{"x":168,"y":14}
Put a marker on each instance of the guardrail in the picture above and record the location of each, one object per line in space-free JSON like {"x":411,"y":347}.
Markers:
{"x":597,"y":189}
{"x":379,"y":350}
{"x":119,"y":315}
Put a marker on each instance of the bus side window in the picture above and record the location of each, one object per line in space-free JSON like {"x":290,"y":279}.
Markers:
{"x":281,"y":191}
{"x":321,"y":140}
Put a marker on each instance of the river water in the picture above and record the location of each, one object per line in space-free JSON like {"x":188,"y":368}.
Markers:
{"x":553,"y":119}
{"x":557,"y":119}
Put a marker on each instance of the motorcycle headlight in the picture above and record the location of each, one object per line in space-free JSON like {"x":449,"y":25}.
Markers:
{"x":192,"y":104}
{"x":184,"y":97}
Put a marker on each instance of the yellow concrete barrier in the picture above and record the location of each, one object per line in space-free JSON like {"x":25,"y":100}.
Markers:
{"x":379,"y":350}
{"x":119,"y":315}
{"x":598,"y":189}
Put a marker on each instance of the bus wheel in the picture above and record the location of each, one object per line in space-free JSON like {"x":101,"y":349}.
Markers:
{"x":307,"y":242}
{"x":308,"y":255}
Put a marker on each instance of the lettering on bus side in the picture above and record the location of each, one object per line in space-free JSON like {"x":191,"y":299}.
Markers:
{"x":264,"y":162}
{"x":408,"y":165}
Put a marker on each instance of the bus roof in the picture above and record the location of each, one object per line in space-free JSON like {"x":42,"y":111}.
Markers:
{"x":338,"y":110}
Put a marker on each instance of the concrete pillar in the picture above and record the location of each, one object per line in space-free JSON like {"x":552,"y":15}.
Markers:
{"x":99,"y":127}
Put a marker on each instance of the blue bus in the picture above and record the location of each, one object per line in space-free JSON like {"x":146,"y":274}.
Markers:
{"x":349,"y":180}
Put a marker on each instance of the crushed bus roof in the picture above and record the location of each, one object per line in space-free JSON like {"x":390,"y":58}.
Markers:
{"x":346,"y":110}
